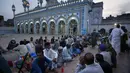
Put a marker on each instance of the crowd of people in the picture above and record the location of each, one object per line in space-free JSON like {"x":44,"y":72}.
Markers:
{"x":48,"y":55}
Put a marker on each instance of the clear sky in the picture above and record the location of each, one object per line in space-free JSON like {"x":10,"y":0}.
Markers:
{"x":113,"y":7}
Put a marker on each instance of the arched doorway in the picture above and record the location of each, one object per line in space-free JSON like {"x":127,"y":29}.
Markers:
{"x":18,"y":28}
{"x":44,"y":28}
{"x":52,"y":28}
{"x":73,"y":27}
{"x":61,"y":27}
{"x":22,"y":28}
{"x":31,"y":28}
{"x":26,"y":28}
{"x":37,"y":28}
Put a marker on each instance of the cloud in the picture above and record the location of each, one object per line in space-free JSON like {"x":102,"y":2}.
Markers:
{"x":111,"y":7}
{"x":124,"y":8}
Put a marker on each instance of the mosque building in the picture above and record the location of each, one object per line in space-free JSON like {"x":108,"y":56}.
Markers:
{"x":72,"y":17}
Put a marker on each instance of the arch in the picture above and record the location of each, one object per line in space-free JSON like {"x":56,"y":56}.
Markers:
{"x":18,"y":28}
{"x":52,"y":26}
{"x":61,"y":19}
{"x":31,"y":27}
{"x":73,"y":24}
{"x":22,"y":28}
{"x":44,"y":27}
{"x":26,"y":27}
{"x":37,"y":26}
{"x":61,"y":25}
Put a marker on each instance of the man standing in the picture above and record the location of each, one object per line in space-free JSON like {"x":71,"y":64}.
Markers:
{"x":115,"y":38}
{"x":94,"y":36}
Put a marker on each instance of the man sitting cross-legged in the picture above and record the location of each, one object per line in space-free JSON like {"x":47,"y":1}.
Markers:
{"x":51,"y":55}
{"x":105,"y":65}
{"x":91,"y":66}
{"x":41,"y":64}
{"x":106,"y":54}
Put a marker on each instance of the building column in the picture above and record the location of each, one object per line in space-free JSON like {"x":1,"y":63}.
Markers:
{"x":56,"y":29}
{"x":85,"y":23}
{"x":35,"y":29}
{"x":15,"y":27}
{"x":41,"y":28}
{"x":25,"y":28}
{"x":48,"y":29}
{"x":66,"y":29}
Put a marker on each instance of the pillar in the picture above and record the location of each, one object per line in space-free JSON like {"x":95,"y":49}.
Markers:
{"x":56,"y":29}
{"x":48,"y":29}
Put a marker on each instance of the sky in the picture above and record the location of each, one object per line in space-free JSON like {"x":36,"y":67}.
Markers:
{"x":111,"y":7}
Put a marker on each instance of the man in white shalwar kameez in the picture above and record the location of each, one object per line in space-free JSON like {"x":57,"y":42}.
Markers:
{"x":115,"y":38}
{"x":91,"y":67}
{"x":50,"y":54}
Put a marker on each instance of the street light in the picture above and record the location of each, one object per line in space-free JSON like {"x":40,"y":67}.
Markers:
{"x":13,"y":9}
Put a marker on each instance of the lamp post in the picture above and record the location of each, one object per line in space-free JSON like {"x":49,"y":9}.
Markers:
{"x":13,"y":9}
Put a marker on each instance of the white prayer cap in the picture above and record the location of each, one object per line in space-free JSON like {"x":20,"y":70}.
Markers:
{"x":60,"y":48}
{"x":13,"y":38}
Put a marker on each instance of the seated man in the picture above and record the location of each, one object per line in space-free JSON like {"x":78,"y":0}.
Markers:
{"x":50,"y":54}
{"x":4,"y":67}
{"x":66,"y":56}
{"x":105,"y":65}
{"x":91,"y":66}
{"x":60,"y":57}
{"x":106,"y":55}
{"x":39,"y":64}
{"x":76,"y":51}
{"x":31,"y":48}
{"x":21,"y":48}
{"x":12,"y":44}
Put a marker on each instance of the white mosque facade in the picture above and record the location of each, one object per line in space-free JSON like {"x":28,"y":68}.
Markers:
{"x":65,"y":18}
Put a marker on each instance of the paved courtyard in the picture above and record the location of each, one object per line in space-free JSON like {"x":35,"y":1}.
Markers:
{"x":123,"y":60}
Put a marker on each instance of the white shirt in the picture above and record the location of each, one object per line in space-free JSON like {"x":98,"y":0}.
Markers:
{"x":116,"y":34}
{"x":22,"y":49}
{"x":116,"y":38}
{"x":50,"y":54}
{"x":106,"y":56}
{"x":65,"y":53}
{"x":31,"y":48}
{"x":93,"y":68}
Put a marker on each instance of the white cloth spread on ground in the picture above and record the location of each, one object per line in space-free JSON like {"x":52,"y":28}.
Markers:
{"x":116,"y":38}
{"x":93,"y":68}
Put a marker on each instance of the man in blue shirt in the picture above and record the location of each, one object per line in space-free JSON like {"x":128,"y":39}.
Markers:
{"x":41,"y":64}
